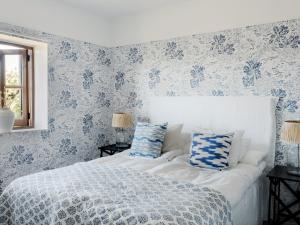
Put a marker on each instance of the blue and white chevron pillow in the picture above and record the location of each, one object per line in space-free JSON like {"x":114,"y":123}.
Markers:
{"x":210,"y":150}
{"x":148,"y":140}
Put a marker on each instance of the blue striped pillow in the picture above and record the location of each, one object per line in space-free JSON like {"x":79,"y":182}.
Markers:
{"x":148,"y":140}
{"x":210,"y":150}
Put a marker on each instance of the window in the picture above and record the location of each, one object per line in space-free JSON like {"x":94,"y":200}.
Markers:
{"x":16,"y":82}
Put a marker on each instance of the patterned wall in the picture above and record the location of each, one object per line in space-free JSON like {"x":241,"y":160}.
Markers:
{"x":80,"y":106}
{"x":257,"y":60}
{"x":87,"y":83}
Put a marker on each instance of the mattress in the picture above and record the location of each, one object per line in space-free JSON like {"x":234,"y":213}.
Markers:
{"x":232,"y":183}
{"x":250,"y":210}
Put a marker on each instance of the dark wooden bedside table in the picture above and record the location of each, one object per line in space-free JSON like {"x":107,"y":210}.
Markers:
{"x":282,"y":212}
{"x":111,"y":149}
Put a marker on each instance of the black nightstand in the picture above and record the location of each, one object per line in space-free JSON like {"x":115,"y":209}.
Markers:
{"x":111,"y":149}
{"x":279,"y":211}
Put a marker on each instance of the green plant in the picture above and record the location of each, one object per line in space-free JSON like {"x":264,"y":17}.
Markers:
{"x":12,"y":97}
{"x":8,"y":99}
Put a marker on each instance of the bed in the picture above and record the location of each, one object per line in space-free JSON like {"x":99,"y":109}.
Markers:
{"x":177,"y":191}
{"x":242,"y":186}
{"x":255,"y":115}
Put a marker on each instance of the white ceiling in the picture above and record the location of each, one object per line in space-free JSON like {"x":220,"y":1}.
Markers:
{"x":116,"y":8}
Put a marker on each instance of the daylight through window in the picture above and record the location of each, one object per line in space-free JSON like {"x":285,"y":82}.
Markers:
{"x":16,"y":81}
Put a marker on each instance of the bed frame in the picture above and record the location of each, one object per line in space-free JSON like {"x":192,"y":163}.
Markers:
{"x":255,"y":115}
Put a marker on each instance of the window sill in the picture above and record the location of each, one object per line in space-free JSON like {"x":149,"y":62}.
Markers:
{"x":19,"y":130}
{"x":26,"y":129}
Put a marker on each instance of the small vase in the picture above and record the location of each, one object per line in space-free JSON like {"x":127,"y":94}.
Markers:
{"x":7,"y":119}
{"x":121,"y":138}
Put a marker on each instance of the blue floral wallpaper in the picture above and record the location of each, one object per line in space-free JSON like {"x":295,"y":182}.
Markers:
{"x":256,"y":60}
{"x":81,"y":91}
{"x":88,"y":82}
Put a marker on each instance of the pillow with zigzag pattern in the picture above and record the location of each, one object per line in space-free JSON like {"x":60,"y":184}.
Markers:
{"x":148,"y":140}
{"x":210,"y":150}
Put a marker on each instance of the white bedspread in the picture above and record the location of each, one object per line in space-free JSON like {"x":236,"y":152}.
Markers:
{"x":232,"y":183}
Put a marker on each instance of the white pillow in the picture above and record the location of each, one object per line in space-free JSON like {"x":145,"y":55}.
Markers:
{"x":236,"y":148}
{"x":172,"y":138}
{"x":185,"y":142}
{"x":171,"y":154}
{"x":254,"y":157}
{"x":244,"y":147}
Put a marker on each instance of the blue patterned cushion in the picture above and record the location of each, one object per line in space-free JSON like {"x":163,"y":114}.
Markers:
{"x":210,"y":150}
{"x":148,"y":140}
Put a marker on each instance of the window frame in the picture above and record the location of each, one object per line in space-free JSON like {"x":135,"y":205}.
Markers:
{"x":27,"y":86}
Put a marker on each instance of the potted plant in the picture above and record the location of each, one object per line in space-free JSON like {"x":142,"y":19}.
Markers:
{"x":7,"y":117}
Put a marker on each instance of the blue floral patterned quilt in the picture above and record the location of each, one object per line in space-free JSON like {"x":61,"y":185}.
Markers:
{"x":88,"y":193}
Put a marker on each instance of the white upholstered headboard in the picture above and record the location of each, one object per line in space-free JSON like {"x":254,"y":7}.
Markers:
{"x":255,"y":115}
